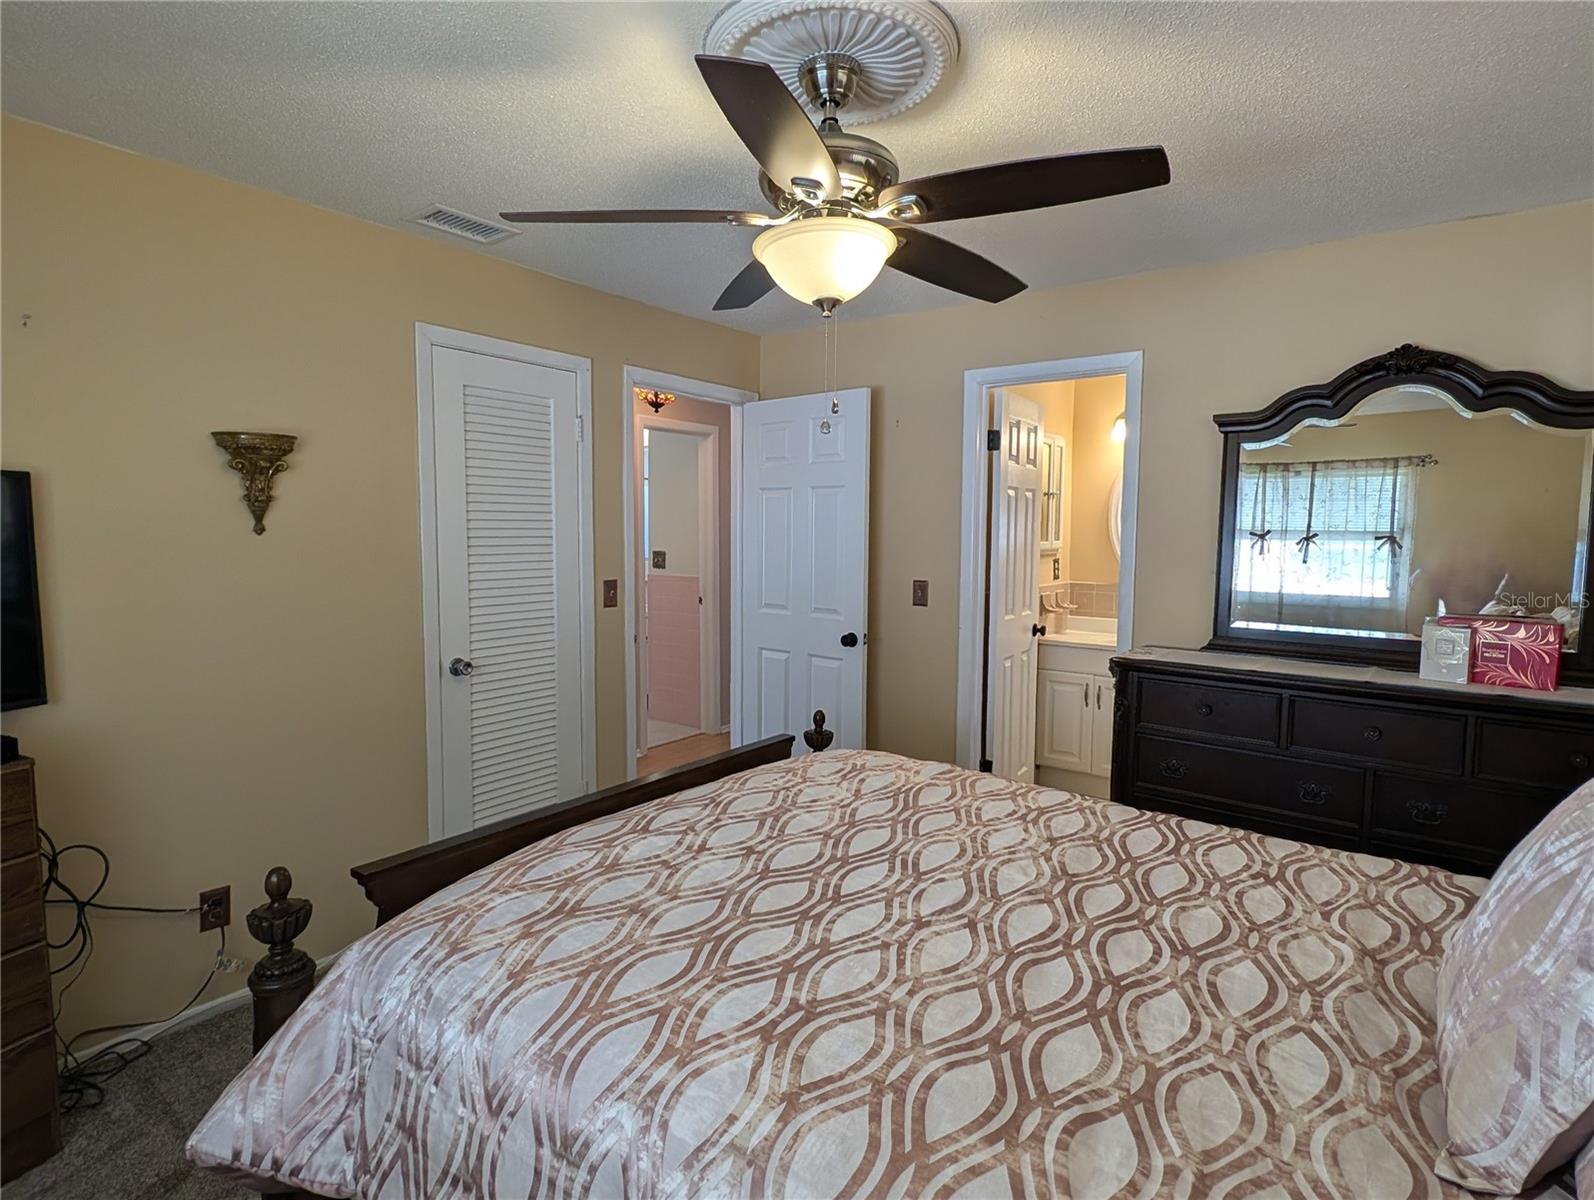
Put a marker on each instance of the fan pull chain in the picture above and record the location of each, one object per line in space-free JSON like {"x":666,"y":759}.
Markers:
{"x":832,"y":363}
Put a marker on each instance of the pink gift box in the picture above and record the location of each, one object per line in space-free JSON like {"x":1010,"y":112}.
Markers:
{"x":1519,"y":652}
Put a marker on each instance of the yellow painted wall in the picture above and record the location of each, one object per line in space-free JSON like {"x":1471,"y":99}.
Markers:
{"x":1097,"y":461}
{"x":1509,"y":291}
{"x":221,"y":702}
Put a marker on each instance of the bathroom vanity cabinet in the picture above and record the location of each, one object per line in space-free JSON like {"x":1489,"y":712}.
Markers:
{"x":1073,"y":715}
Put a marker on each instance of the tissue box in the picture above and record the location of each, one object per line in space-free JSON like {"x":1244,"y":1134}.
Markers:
{"x":1446,"y":652}
{"x":1519,"y":652}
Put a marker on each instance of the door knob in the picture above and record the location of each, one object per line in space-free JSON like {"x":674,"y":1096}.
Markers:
{"x":849,"y":640}
{"x":1037,"y":631}
{"x":460,"y":667}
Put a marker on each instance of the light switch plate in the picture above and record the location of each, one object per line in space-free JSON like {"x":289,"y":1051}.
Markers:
{"x":921,"y":593}
{"x":611,"y":593}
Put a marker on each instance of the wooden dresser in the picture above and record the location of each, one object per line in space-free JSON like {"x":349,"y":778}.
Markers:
{"x":30,"y":1121}
{"x":1357,"y":757}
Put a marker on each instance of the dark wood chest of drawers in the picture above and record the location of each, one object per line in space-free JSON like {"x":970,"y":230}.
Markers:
{"x":1449,"y":776}
{"x":30,"y":1123}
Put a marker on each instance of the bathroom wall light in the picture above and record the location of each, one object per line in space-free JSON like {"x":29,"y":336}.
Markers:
{"x":1120,"y":429}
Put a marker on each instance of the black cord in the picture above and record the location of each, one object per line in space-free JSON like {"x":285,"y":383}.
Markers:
{"x":82,"y":1080}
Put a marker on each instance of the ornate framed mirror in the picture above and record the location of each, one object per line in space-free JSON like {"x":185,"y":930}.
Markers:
{"x":1411,"y":484}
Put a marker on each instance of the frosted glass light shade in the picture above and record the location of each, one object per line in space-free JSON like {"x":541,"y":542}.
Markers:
{"x":1120,"y":429}
{"x":824,"y":258}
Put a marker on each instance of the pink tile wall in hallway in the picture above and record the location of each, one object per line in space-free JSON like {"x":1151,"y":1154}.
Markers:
{"x":674,"y":653}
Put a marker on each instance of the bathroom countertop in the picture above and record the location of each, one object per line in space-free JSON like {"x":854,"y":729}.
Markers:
{"x":1082,"y":637}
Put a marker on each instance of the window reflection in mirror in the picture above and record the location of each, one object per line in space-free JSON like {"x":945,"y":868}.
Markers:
{"x":1407,"y":507}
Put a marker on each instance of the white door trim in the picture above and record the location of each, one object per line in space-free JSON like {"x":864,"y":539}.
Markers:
{"x":428,"y":337}
{"x":972,"y":541}
{"x":697,"y":389}
{"x":708,"y":575}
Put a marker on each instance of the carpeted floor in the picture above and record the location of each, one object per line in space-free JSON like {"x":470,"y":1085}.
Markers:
{"x":131,"y":1146}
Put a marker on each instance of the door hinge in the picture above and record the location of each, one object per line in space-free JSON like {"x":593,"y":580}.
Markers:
{"x":581,"y":429}
{"x":987,"y":765}
{"x":993,"y":439}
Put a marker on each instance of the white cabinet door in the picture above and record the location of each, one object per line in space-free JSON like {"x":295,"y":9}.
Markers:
{"x":1015,"y":589}
{"x":804,"y":603}
{"x":1064,"y":720}
{"x":1101,"y":727}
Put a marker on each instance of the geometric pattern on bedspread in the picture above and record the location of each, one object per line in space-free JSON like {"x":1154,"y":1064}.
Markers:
{"x":859,"y":974}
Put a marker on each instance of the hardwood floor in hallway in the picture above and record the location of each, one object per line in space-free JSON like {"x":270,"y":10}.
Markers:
{"x":688,"y":749}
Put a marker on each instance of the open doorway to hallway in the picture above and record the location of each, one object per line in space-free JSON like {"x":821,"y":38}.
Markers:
{"x":685,"y":686}
{"x":680,"y":568}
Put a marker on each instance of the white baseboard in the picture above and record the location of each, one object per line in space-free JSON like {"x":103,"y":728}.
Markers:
{"x":190,"y":1016}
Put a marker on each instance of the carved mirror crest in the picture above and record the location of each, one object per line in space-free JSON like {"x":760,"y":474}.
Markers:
{"x":1413,"y":484}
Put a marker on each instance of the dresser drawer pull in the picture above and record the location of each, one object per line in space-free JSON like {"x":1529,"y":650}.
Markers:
{"x":1373,"y":734}
{"x":1313,"y":793}
{"x":1171,"y":768}
{"x":1204,"y":709}
{"x":1425,"y":812}
{"x":1579,"y":760}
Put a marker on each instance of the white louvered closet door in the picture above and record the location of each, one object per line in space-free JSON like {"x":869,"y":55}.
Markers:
{"x":509,"y":588}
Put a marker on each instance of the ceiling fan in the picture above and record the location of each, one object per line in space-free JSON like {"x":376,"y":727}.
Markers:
{"x":841,"y":211}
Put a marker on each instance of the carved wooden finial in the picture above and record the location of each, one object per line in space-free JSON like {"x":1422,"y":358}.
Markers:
{"x":818,"y":737}
{"x":283,"y":978}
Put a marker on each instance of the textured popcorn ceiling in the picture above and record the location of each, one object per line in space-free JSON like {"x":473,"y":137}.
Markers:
{"x":1285,"y":123}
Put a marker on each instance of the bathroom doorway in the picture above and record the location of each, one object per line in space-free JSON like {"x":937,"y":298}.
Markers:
{"x":1051,"y":473}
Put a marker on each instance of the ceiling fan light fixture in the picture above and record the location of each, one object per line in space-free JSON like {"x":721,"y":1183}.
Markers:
{"x":824,"y":258}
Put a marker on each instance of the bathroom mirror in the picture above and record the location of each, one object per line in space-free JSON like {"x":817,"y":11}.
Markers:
{"x":1414,"y":484}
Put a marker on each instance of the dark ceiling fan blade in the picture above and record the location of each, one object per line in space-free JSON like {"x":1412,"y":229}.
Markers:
{"x":770,"y":123}
{"x":937,"y":261}
{"x":1031,"y":183}
{"x":751,"y":285}
{"x":641,"y":216}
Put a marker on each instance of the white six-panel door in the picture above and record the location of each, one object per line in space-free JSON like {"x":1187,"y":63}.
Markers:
{"x":508,"y":579}
{"x":1015,"y":592}
{"x":804,"y":572}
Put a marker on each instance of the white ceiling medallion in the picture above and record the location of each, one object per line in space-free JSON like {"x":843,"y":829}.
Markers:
{"x":905,"y":46}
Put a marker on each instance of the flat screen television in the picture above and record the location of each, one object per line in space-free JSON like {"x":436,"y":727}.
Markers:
{"x":21,"y":636}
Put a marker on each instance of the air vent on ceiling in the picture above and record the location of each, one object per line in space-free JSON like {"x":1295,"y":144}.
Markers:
{"x":473,"y":229}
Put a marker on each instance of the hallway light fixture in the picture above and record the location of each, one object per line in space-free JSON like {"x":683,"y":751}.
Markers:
{"x":1120,"y":429}
{"x":655,"y":400}
{"x":824,"y":261}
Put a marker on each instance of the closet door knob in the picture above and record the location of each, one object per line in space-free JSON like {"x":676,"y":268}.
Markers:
{"x":849,"y":640}
{"x":460,"y":667}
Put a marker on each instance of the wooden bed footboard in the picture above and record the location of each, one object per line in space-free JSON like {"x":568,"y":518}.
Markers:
{"x":283,"y":978}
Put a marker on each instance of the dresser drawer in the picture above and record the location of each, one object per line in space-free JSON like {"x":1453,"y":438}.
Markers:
{"x":1387,"y":735}
{"x":1210,"y":708}
{"x":1240,"y":780}
{"x":1456,"y":814}
{"x":21,"y":907}
{"x":1533,"y":754}
{"x":25,"y":998}
{"x":16,"y":813}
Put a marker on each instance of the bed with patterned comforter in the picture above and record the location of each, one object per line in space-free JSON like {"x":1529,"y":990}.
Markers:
{"x":859,"y":974}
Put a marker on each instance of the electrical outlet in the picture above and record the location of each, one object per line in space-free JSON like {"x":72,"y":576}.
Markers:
{"x":215,"y":909}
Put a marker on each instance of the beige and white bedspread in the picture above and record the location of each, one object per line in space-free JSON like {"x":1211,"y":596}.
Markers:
{"x":858,"y":974}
